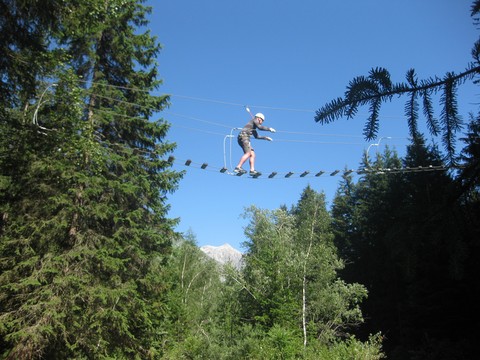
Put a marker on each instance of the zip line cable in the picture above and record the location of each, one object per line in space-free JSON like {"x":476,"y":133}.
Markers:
{"x":196,"y":119}
{"x":276,"y":140}
{"x":242,"y":105}
{"x":224,"y":102}
{"x":225,"y":126}
{"x":206,"y":121}
{"x":234,"y":104}
{"x":198,"y":98}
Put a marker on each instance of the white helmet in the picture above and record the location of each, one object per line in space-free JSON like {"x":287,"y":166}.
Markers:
{"x":260,"y":115}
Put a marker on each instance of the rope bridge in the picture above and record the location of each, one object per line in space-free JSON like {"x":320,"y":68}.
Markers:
{"x":318,"y":173}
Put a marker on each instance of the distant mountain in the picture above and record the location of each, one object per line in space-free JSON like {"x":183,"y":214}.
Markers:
{"x":224,"y":254}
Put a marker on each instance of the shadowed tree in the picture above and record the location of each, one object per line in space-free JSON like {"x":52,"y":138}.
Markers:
{"x":415,"y":251}
{"x":83,"y":233}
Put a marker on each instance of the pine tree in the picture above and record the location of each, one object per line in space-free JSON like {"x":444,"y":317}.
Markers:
{"x":84,"y":234}
{"x":470,"y":159}
{"x":343,"y":218}
{"x":430,"y":250}
{"x":410,"y":246}
{"x":24,"y":41}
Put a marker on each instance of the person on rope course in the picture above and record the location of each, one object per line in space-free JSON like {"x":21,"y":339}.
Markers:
{"x":244,"y":141}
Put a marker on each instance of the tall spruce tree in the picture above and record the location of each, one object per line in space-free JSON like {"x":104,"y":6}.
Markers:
{"x":24,"y":42}
{"x":84,"y":233}
{"x":412,"y":247}
{"x":470,"y":159}
{"x":371,"y":215}
{"x":343,"y":218}
{"x":430,"y":248}
{"x":362,"y":214}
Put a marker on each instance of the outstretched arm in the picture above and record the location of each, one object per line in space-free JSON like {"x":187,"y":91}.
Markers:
{"x":261,"y":127}
{"x":255,"y":135}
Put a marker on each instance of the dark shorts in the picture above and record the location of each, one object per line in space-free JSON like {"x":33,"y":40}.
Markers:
{"x":244,"y":142}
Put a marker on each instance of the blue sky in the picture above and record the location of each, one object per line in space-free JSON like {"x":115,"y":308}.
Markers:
{"x":286,"y":59}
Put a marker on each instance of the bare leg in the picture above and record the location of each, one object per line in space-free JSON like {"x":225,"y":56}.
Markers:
{"x":252,"y":160}
{"x":244,"y":158}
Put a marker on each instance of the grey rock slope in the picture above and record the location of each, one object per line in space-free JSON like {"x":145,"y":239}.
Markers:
{"x":224,"y":254}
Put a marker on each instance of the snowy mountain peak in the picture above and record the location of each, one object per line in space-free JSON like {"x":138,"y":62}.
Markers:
{"x":223,"y":254}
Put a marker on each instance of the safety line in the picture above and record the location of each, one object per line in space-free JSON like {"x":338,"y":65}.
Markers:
{"x":228,"y":127}
{"x":222,"y":125}
{"x":169,"y":123}
{"x":209,"y":122}
{"x":242,"y":105}
{"x":196,"y":98}
{"x":317,"y":142}
{"x":221,"y":101}
{"x":276,"y":139}
{"x":196,"y":119}
{"x":206,"y":100}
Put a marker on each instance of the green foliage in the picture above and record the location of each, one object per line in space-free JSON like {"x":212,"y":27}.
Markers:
{"x":291,"y":268}
{"x":378,"y":88}
{"x":353,"y":349}
{"x":335,"y":309}
{"x":270,"y":268}
{"x":278,"y":343}
{"x":83,"y":231}
{"x":87,"y":266}
{"x":257,"y":312}
{"x":281,"y":343}
{"x":192,"y":299}
{"x":470,"y":159}
{"x":343,"y":214}
{"x":410,"y":242}
{"x":25,"y":28}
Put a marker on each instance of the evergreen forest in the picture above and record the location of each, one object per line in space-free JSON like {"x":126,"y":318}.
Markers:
{"x":92,"y":268}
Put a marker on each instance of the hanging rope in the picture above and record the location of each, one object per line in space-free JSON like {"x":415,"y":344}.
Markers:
{"x":224,"y":149}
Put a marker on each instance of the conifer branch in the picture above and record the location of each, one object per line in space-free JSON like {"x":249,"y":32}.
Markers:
{"x":378,"y":88}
